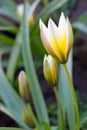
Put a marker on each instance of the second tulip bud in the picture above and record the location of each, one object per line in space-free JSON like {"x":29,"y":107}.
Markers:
{"x":50,"y":70}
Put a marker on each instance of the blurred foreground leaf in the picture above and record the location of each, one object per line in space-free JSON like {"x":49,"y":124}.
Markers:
{"x":8,"y":8}
{"x":35,"y":90}
{"x":81,"y":23}
{"x":12,"y":102}
{"x":65,"y":94}
{"x":14,"y":58}
{"x":9,"y":128}
{"x":50,"y":8}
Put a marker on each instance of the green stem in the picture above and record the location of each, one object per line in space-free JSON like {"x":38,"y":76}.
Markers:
{"x":60,"y":108}
{"x":74,"y":97}
{"x":33,"y":117}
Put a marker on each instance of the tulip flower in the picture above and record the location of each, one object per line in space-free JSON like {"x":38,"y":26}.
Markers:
{"x":50,"y":70}
{"x":57,"y":40}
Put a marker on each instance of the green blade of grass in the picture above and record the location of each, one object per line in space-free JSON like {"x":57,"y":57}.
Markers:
{"x":14,"y":58}
{"x":36,"y":93}
{"x":9,"y":128}
{"x":50,"y":8}
{"x":11,"y":99}
{"x":6,"y":40}
{"x":8,"y":8}
{"x":66,"y":95}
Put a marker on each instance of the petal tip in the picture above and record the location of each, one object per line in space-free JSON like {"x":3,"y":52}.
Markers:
{"x":40,"y":23}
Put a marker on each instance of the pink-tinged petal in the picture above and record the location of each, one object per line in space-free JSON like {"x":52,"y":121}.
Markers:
{"x":69,"y":37}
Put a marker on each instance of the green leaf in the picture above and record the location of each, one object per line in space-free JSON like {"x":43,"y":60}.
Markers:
{"x":36,"y":93}
{"x":11,"y":99}
{"x":82,"y":18}
{"x":54,"y":128}
{"x":4,"y":49}
{"x":9,"y":128}
{"x":50,"y":8}
{"x":81,"y":23}
{"x":6,"y":40}
{"x":14,"y":58}
{"x":8,"y":9}
{"x":54,"y":5}
{"x":66,"y":95}
{"x":6,"y":111}
{"x":80,"y":26}
{"x":5,"y":22}
{"x":83,"y":119}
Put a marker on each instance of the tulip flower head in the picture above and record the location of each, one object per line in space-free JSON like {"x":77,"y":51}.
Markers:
{"x":57,"y":40}
{"x":50,"y":70}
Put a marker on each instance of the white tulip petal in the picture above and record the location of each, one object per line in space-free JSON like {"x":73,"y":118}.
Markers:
{"x":41,"y":24}
{"x":62,"y":22}
{"x":58,"y":39}
{"x":52,"y":27}
{"x":45,"y":37}
{"x":69,"y":37}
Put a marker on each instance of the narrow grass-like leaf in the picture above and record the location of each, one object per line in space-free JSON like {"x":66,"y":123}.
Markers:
{"x":6,"y":40}
{"x":11,"y":99}
{"x":8,"y":9}
{"x":82,"y":18}
{"x":54,"y":5}
{"x":36,"y":93}
{"x":80,"y":26}
{"x":81,"y":23}
{"x":5,"y":22}
{"x":5,"y":110}
{"x":4,"y":49}
{"x":6,"y":2}
{"x":54,"y":128}
{"x":9,"y":128}
{"x":14,"y":58}
{"x":66,"y":95}
{"x":83,"y":119}
{"x":50,"y":8}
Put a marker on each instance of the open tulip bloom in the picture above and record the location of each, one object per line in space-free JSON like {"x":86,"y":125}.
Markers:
{"x":57,"y":40}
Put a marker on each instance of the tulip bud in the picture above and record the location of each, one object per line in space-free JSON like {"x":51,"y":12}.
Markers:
{"x":20,"y":9}
{"x":23,"y":86}
{"x":50,"y":70}
{"x":27,"y":118}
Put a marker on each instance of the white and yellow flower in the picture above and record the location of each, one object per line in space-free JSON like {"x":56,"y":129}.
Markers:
{"x":57,"y":40}
{"x":50,"y":70}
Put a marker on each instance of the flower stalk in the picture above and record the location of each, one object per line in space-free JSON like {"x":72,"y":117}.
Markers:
{"x":33,"y":117}
{"x":61,"y":126}
{"x":74,"y":97}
